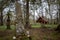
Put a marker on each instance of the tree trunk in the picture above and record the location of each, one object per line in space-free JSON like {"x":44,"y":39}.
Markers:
{"x":49,"y":4}
{"x":19,"y":25}
{"x":57,"y":18}
{"x":1,"y":18}
{"x":27,"y":25}
{"x":8,"y":22}
{"x":59,"y":15}
{"x":58,"y":27}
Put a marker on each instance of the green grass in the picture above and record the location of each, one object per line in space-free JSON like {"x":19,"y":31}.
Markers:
{"x":51,"y":25}
{"x":13,"y":27}
{"x":4,"y":27}
{"x":38,"y":25}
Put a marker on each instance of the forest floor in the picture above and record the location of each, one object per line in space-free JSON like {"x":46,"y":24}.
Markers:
{"x":44,"y":34}
{"x":36,"y":34}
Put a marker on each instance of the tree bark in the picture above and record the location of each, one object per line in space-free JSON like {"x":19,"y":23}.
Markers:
{"x":59,"y":10}
{"x":59,"y":15}
{"x":8,"y":21}
{"x":19,"y":25}
{"x":27,"y":24}
{"x":1,"y":18}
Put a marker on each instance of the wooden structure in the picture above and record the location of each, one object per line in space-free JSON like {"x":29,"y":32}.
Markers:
{"x":41,"y":20}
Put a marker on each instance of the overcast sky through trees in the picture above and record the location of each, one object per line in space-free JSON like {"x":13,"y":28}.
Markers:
{"x":39,"y":10}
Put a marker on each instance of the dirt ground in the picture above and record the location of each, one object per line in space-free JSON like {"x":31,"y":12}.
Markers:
{"x":44,"y":34}
{"x":36,"y":34}
{"x":6,"y":35}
